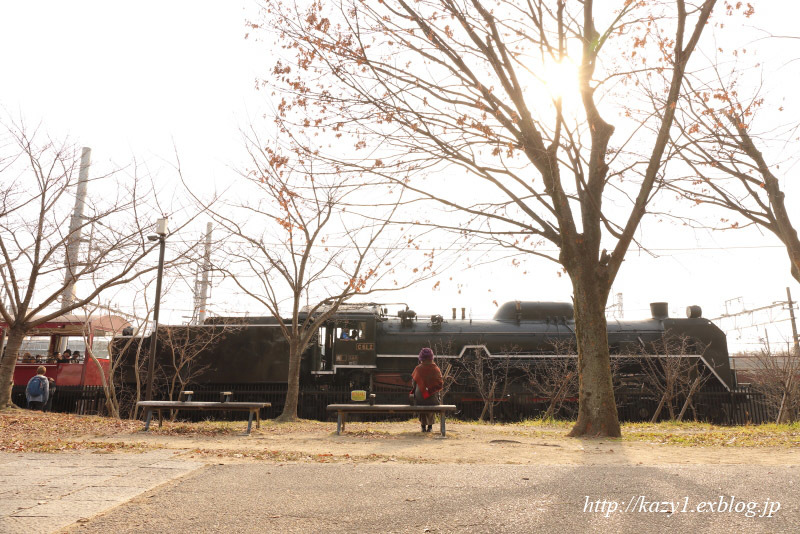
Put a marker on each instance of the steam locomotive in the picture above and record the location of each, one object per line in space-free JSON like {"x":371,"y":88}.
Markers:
{"x":362,"y":346}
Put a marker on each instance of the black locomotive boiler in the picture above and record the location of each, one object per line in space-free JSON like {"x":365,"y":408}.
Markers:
{"x":362,"y":346}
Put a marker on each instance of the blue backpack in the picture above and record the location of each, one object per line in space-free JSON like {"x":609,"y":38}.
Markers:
{"x":35,"y":386}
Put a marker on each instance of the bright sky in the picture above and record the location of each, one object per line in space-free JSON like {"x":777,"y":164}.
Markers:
{"x":131,"y":78}
{"x":135,"y":78}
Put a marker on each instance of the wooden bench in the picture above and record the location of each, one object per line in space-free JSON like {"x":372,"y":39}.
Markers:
{"x":343,"y":409}
{"x":224,"y":404}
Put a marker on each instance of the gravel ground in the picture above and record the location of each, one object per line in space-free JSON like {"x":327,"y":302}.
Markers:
{"x":395,"y":497}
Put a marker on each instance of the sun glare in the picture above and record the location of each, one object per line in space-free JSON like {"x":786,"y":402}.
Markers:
{"x":561,"y":78}
{"x":554,"y":80}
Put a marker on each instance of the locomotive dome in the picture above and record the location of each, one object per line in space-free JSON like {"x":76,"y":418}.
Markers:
{"x":533,"y":311}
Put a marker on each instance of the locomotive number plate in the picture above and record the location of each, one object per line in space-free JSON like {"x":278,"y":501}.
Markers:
{"x":365,"y":346}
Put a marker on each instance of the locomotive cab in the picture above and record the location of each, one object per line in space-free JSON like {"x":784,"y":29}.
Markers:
{"x":347,"y":341}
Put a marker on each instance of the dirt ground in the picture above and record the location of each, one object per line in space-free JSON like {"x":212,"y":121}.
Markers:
{"x":464,"y":443}
{"x":469,"y":443}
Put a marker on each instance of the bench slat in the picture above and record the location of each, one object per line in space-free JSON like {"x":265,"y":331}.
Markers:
{"x":390,"y":408}
{"x":203,"y":405}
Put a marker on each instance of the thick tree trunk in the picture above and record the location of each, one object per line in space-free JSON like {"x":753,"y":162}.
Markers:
{"x":293,"y":386}
{"x":9,"y":363}
{"x":597,"y":410}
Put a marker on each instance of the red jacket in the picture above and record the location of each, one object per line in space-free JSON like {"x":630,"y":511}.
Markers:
{"x":428,"y":376}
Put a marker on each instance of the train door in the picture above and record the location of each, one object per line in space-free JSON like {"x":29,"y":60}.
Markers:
{"x":322,"y":352}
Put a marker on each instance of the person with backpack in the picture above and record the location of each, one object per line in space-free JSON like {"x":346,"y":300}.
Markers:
{"x":38,"y":389}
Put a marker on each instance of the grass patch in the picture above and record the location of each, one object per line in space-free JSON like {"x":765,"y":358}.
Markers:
{"x":704,"y":434}
{"x":678,"y":433}
{"x":548,"y":422}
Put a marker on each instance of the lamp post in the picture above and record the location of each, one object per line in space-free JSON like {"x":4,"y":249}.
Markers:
{"x":161,"y":237}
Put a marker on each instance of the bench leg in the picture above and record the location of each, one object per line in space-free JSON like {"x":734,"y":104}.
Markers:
{"x":442,"y":426}
{"x":147,"y":419}
{"x":249,"y":422}
{"x":339,"y":424}
{"x":258,"y":418}
{"x":160,"y":418}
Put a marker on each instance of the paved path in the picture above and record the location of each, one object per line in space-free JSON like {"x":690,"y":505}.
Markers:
{"x":392,"y":497}
{"x":41,"y":493}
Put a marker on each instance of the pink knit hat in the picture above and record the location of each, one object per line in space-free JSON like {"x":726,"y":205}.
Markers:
{"x":425,"y":354}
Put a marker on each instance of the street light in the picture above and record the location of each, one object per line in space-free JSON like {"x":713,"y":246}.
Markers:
{"x":161,"y":237}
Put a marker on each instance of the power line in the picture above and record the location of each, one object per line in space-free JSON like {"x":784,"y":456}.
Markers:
{"x":545,"y":250}
{"x":752,"y":318}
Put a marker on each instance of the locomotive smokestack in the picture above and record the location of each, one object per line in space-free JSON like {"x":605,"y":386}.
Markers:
{"x":659,"y":310}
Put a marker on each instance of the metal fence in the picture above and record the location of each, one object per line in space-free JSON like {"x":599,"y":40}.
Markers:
{"x":84,"y":400}
{"x":743,"y":406}
{"x":739,"y":407}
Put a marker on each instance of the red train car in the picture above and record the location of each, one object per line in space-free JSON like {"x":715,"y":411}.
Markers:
{"x":91,"y":336}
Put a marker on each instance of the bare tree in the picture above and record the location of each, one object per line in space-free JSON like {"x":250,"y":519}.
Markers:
{"x":418,"y":92}
{"x":673,"y":372}
{"x":117,"y":355}
{"x":490,"y":376}
{"x":38,"y":264}
{"x":452,"y":370}
{"x":735,"y":146}
{"x":138,"y":369}
{"x":106,"y":379}
{"x":185,"y":345}
{"x":721,"y":143}
{"x":554,"y":378}
{"x":775,"y":375}
{"x":300,"y":247}
{"x":120,"y":345}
